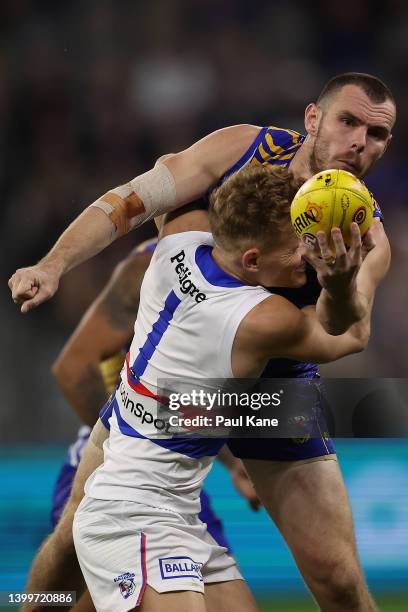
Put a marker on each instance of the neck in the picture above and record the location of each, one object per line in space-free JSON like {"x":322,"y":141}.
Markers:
{"x":300,"y":166}
{"x":229,"y":265}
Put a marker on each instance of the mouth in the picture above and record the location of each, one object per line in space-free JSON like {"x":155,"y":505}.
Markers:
{"x":348,"y":165}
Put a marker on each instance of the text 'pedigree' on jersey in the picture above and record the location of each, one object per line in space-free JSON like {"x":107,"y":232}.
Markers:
{"x":186,"y":284}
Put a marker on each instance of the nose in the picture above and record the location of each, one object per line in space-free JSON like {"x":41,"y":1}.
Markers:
{"x":359,"y":138}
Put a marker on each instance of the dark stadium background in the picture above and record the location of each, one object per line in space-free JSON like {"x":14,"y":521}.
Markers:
{"x":91,"y":93}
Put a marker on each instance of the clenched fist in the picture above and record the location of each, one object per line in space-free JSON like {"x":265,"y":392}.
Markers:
{"x":32,"y":286}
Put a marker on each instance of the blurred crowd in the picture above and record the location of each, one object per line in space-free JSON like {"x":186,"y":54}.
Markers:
{"x":93,"y":91}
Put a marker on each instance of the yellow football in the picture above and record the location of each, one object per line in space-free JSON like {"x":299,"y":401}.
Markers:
{"x":331,"y":198}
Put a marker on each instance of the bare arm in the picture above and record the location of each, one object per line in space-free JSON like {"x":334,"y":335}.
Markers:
{"x":277,"y":329}
{"x":349,"y":285}
{"x":375,"y":266}
{"x":177,"y":180}
{"x":103,"y":331}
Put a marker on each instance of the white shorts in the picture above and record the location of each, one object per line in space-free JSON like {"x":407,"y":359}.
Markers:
{"x":124,"y":545}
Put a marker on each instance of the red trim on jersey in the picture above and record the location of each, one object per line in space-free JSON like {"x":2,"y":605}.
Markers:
{"x":139,"y":387}
{"x":144,"y":568}
{"x":187,"y":411}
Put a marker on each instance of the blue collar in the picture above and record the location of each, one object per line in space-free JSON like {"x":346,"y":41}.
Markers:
{"x":211,"y":271}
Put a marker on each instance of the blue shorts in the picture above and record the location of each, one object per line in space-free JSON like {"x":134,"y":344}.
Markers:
{"x":281,"y":449}
{"x":62,"y":491}
{"x":311,"y":445}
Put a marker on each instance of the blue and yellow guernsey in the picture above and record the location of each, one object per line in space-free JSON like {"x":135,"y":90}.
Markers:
{"x":273,"y":145}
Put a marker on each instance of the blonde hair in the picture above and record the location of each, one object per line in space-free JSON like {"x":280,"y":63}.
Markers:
{"x":252,"y":206}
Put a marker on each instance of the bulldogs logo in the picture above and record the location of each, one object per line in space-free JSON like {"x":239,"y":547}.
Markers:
{"x":126,"y":584}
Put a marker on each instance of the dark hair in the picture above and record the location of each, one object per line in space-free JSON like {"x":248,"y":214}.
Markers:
{"x":252,"y":206}
{"x":375,"y":89}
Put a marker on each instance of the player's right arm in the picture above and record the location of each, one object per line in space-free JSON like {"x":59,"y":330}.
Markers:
{"x":278,"y":329}
{"x":175,"y":180}
{"x":105,"y":328}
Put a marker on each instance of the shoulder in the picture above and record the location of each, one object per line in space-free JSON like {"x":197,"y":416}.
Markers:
{"x":283,"y":136}
{"x":272,"y":324}
{"x":184,"y":238}
{"x":273,"y":315}
{"x":222,"y":148}
{"x":241,"y":134}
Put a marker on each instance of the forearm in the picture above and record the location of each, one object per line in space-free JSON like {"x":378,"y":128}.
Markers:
{"x":84,"y":390}
{"x":358,"y":334}
{"x":366,"y":286}
{"x":227,"y":458}
{"x":374,"y":268}
{"x":337,"y":316}
{"x":89,"y":234}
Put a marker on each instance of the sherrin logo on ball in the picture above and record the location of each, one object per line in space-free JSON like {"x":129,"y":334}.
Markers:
{"x":331,"y":198}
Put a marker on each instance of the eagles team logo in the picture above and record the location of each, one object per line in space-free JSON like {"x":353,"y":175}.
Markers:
{"x":126,"y":584}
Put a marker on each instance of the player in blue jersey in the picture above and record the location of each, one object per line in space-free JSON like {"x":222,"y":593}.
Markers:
{"x":348,"y":127}
{"x":87,"y":370}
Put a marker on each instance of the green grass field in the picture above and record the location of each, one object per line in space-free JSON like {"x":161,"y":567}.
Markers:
{"x":385,"y":604}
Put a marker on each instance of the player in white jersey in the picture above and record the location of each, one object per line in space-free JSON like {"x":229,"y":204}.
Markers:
{"x":204,"y":313}
{"x":349,"y":126}
{"x":87,"y":371}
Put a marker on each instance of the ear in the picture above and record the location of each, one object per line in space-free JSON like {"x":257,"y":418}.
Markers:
{"x":312,"y":119}
{"x":387,"y":144}
{"x":250,"y":260}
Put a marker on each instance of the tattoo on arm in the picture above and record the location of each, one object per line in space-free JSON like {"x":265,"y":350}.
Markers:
{"x":120,"y":299}
{"x":88,"y":395}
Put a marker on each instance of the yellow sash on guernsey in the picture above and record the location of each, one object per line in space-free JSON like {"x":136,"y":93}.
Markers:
{"x":110,"y":369}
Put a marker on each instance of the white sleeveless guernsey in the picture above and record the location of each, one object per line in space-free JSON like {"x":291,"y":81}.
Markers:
{"x":189,"y":312}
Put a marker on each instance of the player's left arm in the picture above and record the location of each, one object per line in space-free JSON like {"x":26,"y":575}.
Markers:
{"x":104,"y":330}
{"x":177,"y":180}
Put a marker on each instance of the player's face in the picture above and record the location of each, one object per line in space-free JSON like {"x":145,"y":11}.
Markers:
{"x":283,"y":266}
{"x":353,"y":132}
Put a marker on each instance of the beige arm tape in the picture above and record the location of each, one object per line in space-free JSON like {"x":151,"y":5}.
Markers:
{"x":144,"y":197}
